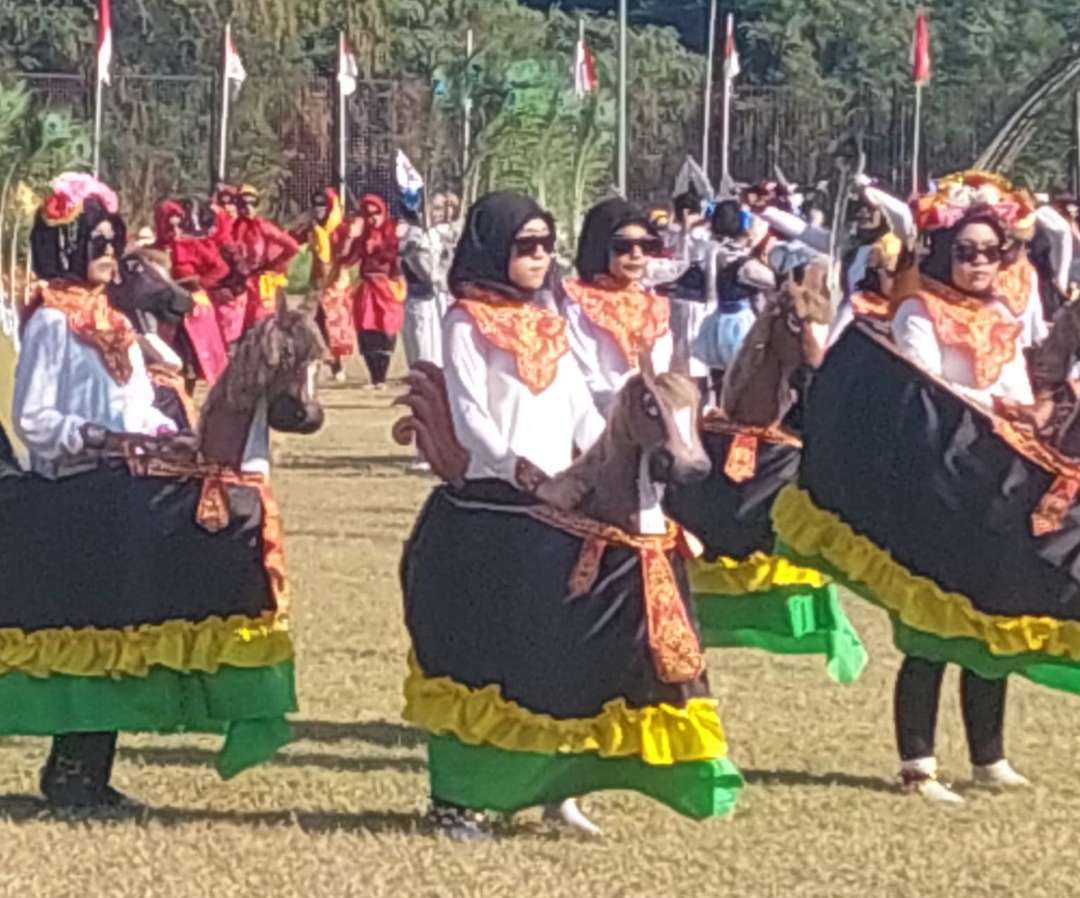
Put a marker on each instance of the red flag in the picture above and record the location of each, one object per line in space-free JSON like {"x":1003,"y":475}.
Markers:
{"x":920,"y":50}
{"x":585,"y":80}
{"x":104,"y":41}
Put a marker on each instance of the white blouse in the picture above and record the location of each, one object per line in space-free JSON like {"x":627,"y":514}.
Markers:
{"x":61,"y":384}
{"x":913,"y":331}
{"x":498,"y":419}
{"x":603,"y":363}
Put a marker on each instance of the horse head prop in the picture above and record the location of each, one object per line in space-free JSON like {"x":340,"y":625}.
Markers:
{"x":651,"y":440}
{"x":146,"y":291}
{"x":757,"y":387}
{"x":273,"y":373}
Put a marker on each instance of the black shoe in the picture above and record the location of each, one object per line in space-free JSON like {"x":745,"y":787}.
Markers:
{"x":461,"y":824}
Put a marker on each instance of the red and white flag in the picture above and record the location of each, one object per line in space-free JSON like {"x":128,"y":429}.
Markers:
{"x":920,"y":50}
{"x":234,"y":65}
{"x":104,"y":42}
{"x":585,"y":80}
{"x":731,"y":53}
{"x":348,"y":71}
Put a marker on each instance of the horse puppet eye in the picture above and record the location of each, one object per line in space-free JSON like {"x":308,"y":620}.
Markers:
{"x":133,"y":266}
{"x":649,"y":405}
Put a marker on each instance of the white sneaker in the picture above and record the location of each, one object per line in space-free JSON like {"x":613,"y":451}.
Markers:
{"x":570,"y":813}
{"x":999,"y":775}
{"x":919,"y":776}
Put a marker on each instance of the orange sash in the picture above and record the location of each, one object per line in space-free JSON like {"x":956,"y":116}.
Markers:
{"x":634,"y":318}
{"x":94,"y":322}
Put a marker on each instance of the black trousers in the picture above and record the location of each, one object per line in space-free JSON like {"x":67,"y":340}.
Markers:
{"x":79,"y":765}
{"x":377,"y":349}
{"x":915,"y":705}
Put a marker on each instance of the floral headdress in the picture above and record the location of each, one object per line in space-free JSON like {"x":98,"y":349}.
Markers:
{"x":958,"y":194}
{"x":69,"y":191}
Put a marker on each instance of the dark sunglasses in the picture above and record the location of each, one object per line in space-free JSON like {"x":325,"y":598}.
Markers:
{"x":624,"y":246}
{"x":969,"y":253}
{"x":527,"y":246}
{"x":99,"y":245}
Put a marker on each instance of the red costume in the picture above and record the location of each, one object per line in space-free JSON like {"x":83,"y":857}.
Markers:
{"x":195,"y":260}
{"x":378,"y":303}
{"x":263,"y":253}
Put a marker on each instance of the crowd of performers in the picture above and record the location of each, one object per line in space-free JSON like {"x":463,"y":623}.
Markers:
{"x":558,"y":614}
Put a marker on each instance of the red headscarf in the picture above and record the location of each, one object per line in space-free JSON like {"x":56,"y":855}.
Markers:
{"x":380,"y":243}
{"x":165,"y":232}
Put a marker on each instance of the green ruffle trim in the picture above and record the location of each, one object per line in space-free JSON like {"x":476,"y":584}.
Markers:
{"x":247,"y":705}
{"x":482,"y":777}
{"x":971,"y":654}
{"x":794,"y":620}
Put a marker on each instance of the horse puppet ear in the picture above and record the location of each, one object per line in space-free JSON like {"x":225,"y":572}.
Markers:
{"x":645,"y":366}
{"x":310,"y":305}
{"x":281,"y":306}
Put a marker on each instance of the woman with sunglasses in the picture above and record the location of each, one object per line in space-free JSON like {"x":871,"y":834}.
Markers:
{"x":611,"y":318}
{"x":960,"y":329}
{"x":80,"y":379}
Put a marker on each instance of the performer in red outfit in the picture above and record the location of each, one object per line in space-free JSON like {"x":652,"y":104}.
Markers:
{"x":378,"y":303}
{"x":230,"y":297}
{"x":196,"y":264}
{"x":263,"y":252}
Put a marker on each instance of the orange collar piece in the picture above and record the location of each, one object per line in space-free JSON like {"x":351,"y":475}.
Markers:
{"x":635,"y":319}
{"x":535,"y":337}
{"x":966,"y":323}
{"x":94,"y":322}
{"x":1013,"y":285}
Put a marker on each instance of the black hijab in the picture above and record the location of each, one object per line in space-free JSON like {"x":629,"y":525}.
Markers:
{"x":482,"y":257}
{"x":64,"y":251}
{"x":601,"y":224}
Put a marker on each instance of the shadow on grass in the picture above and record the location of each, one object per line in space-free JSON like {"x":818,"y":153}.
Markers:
{"x":808,"y":778}
{"x":200,"y":757}
{"x":375,"y":732}
{"x":341,"y":462}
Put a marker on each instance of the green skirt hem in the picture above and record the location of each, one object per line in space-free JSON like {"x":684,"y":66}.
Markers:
{"x":246,"y":705}
{"x":794,"y":620}
{"x":482,"y":777}
{"x":1046,"y":670}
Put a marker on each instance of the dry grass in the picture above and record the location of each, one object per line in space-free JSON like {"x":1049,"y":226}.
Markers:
{"x":338,"y":812}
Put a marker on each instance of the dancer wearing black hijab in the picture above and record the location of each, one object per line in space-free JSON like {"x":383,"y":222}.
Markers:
{"x":531,"y":698}
{"x":612,"y":319}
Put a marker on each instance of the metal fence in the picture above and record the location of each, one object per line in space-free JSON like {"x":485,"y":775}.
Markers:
{"x":160,"y":135}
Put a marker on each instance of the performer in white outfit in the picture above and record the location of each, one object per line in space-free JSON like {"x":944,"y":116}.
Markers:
{"x":961,"y":329}
{"x":612,"y":318}
{"x":519,"y":401}
{"x":81,"y":374}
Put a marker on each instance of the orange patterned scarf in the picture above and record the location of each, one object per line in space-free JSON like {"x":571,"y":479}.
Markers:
{"x":534,"y":336}
{"x":972,"y":325}
{"x":1013,"y":285}
{"x":94,"y":322}
{"x":634,"y":318}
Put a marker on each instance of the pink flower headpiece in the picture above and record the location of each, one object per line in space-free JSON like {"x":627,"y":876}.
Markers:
{"x":67,"y":194}
{"x":958,"y":194}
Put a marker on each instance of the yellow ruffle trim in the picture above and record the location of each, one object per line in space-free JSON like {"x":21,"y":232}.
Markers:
{"x":758,"y":573}
{"x":659,"y":735}
{"x":180,"y":645}
{"x":918,"y":601}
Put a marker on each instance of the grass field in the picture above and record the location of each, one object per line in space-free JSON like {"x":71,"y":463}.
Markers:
{"x":339,"y":812}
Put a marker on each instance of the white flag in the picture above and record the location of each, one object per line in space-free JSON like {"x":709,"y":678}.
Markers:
{"x":731,"y":53}
{"x":585,"y":80}
{"x":234,"y":66}
{"x":104,"y":50}
{"x":408,"y":178}
{"x":348,"y":71}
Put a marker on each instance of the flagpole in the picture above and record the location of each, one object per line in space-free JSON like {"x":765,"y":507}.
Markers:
{"x":710,"y":65}
{"x":342,"y":125}
{"x":916,"y":140}
{"x":223,"y":140}
{"x":467,"y":104}
{"x":725,"y":140}
{"x":620,"y":160}
{"x":97,"y":122}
